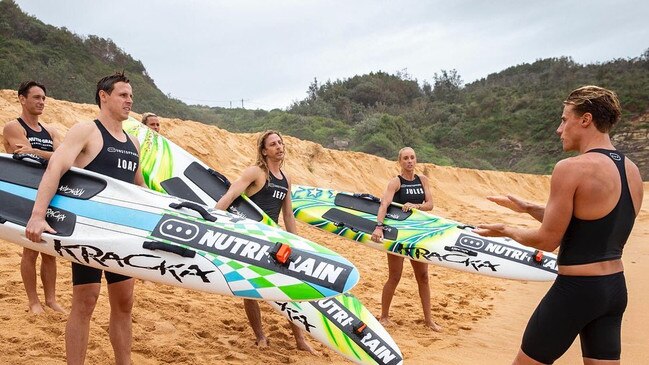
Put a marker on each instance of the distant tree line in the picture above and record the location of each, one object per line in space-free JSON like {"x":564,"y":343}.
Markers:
{"x":505,"y":121}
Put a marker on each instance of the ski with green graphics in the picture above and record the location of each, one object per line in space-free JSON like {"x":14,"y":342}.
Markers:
{"x":341,"y":323}
{"x":420,"y":235}
{"x":168,"y":168}
{"x":116,"y":226}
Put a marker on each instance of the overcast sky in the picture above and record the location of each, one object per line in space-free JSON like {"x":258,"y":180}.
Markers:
{"x":268,"y":52}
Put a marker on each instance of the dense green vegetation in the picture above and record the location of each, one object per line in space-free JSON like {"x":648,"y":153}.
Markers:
{"x":505,"y":121}
{"x":69,"y":65}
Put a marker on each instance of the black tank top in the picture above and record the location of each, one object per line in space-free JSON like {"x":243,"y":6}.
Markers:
{"x":39,"y":140}
{"x":272,"y":195}
{"x":116,"y":159}
{"x":588,"y":241}
{"x":411,"y":191}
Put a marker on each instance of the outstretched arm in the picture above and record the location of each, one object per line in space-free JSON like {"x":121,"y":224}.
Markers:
{"x":556,"y":217}
{"x":518,"y":205}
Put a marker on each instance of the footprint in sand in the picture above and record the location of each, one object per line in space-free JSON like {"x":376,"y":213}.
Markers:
{"x":164,"y":327}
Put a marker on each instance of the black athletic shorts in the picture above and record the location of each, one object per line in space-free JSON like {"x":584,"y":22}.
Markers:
{"x":588,"y":306}
{"x":89,"y":275}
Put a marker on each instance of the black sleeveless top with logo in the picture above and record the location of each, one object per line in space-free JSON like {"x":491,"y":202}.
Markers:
{"x":39,"y":140}
{"x":271,"y":197}
{"x":588,"y":241}
{"x":411,"y":191}
{"x":116,"y":159}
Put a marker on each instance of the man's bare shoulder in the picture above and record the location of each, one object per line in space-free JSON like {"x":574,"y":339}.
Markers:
{"x":253,"y":170}
{"x":253,"y":175}
{"x":81,"y":131}
{"x":630,"y":166}
{"x":84,"y":126}
{"x":580,"y":164}
{"x":12,"y":125}
{"x":572,"y":168}
{"x":288,"y":178}
{"x":135,"y":141}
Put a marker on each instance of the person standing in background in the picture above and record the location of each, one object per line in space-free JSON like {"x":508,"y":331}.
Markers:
{"x":28,"y":135}
{"x":413,"y":192}
{"x":151,"y":120}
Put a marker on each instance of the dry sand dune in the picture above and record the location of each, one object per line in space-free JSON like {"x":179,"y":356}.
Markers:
{"x":483,"y":318}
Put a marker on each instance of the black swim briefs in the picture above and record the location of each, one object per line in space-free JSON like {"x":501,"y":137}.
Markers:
{"x":89,"y":275}
{"x":588,"y":306}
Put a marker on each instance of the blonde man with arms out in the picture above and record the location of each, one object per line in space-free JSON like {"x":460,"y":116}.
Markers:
{"x":594,"y":200}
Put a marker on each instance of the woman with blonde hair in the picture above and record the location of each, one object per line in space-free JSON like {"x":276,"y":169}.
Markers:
{"x":413,"y":192}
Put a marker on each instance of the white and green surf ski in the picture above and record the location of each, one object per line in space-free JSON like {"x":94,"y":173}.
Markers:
{"x":342,"y":323}
{"x":420,"y":236}
{"x":123,"y":228}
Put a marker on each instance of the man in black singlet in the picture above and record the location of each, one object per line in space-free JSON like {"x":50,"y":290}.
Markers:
{"x":27,"y":135}
{"x":269,"y":188}
{"x":594,"y":200}
{"x":101,"y":146}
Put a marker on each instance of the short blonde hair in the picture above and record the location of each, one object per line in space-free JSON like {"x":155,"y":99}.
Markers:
{"x":403,"y":149}
{"x":146,"y":116}
{"x":601,"y":103}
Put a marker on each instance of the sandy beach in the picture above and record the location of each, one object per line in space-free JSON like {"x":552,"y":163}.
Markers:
{"x":483,"y":318}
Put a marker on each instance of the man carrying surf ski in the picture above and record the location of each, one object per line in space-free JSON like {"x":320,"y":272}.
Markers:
{"x":594,"y":200}
{"x":268,"y":187}
{"x":101,"y":146}
{"x":27,"y":135}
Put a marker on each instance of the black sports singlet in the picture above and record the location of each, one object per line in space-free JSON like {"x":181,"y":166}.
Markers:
{"x":603,"y":239}
{"x":116,"y":159}
{"x":272,"y":195}
{"x":411,"y":191}
{"x":39,"y":140}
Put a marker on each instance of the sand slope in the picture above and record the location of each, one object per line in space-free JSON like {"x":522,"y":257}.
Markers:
{"x":483,"y":317}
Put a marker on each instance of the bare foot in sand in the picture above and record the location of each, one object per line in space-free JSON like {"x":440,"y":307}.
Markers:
{"x":304,"y":346}
{"x":385,"y":321}
{"x":56,"y":307}
{"x":36,"y":308}
{"x":262,"y":342}
{"x":434,"y":326}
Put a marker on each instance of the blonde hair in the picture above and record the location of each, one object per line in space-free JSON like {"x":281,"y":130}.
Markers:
{"x":601,"y":103}
{"x":403,"y":149}
{"x":146,"y":116}
{"x":261,"y":144}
